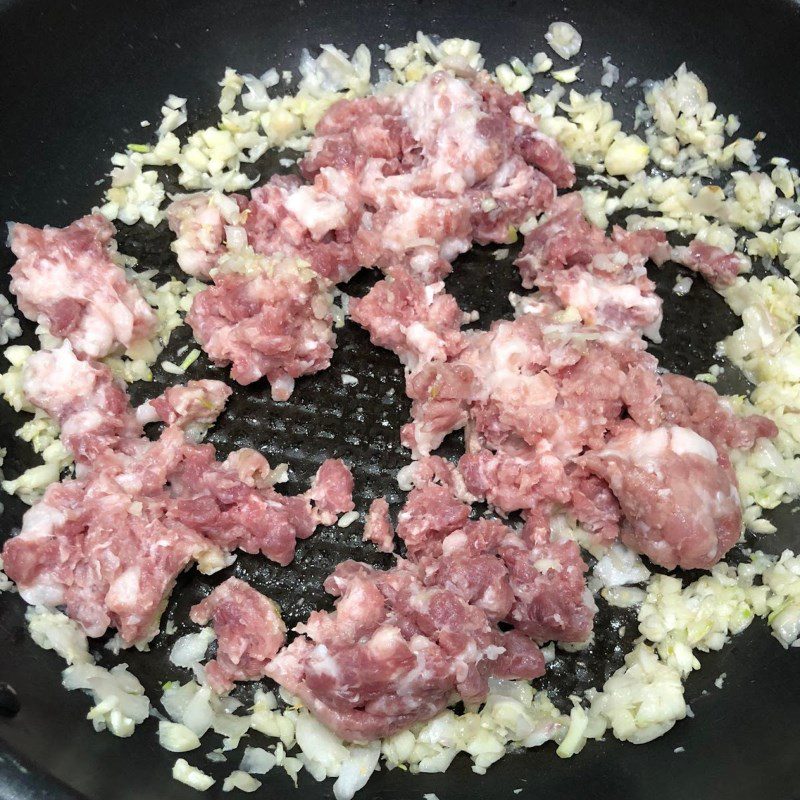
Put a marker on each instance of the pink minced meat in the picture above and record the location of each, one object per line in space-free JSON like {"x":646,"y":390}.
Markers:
{"x":440,"y":393}
{"x":696,"y":405}
{"x":393,"y":652}
{"x":437,"y":165}
{"x":417,"y":322}
{"x":429,"y":515}
{"x":331,"y":491}
{"x":718,"y":267}
{"x":551,"y":601}
{"x":602,"y":277}
{"x":527,"y":579}
{"x":531,"y":481}
{"x":378,"y":526}
{"x":109,"y":544}
{"x":594,"y":505}
{"x":314,"y":222}
{"x":249,"y":632}
{"x":106,"y":547}
{"x":406,"y":180}
{"x":275,"y":321}
{"x":533,"y":382}
{"x":679,"y":499}
{"x":437,"y":471}
{"x":89,"y":404}
{"x":515,"y":481}
{"x":194,"y":407}
{"x":233,"y":504}
{"x":200,"y":223}
{"x":66,"y":280}
{"x":468,"y":566}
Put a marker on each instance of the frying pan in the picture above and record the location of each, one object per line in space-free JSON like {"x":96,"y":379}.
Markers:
{"x":77,"y":77}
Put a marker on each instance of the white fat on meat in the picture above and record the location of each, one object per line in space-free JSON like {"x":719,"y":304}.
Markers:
{"x":193,"y":407}
{"x":56,"y":379}
{"x":590,"y":295}
{"x":318,"y":211}
{"x":443,"y":115}
{"x":647,"y":449}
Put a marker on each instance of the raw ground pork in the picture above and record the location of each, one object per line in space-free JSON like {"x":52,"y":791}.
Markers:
{"x":202,"y":224}
{"x":249,"y":632}
{"x":540,"y":396}
{"x":193,"y":407}
{"x":714,"y":264}
{"x":602,"y":277}
{"x":405,"y":182}
{"x":66,"y":280}
{"x":109,"y":544}
{"x":90,"y":406}
{"x":400,"y":642}
{"x":680,"y":504}
{"x":274,"y":320}
{"x":526,"y":578}
{"x":393,"y":652}
{"x":418,"y":323}
{"x":378,"y":526}
{"x":331,"y":491}
{"x":438,"y":165}
{"x":562,"y":407}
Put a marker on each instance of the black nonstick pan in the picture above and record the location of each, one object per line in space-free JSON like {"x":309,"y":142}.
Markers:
{"x":77,"y":77}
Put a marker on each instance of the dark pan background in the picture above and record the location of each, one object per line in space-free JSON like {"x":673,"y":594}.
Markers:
{"x":75,"y":80}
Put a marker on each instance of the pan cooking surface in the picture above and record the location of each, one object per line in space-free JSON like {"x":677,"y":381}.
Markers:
{"x":76,"y":83}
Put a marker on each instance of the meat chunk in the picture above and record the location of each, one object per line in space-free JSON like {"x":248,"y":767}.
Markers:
{"x":378,"y":526}
{"x":417,"y":322}
{"x":84,"y":398}
{"x":249,"y":631}
{"x":66,"y":279}
{"x":332,"y":491}
{"x":436,"y":165}
{"x":312,"y":222}
{"x":273,"y":320}
{"x":594,"y":505}
{"x":696,"y":405}
{"x":109,"y":544}
{"x":680,"y":502}
{"x":434,"y":470}
{"x":529,"y":580}
{"x":193,"y":407}
{"x":551,"y":601}
{"x":514,"y":482}
{"x":108,"y":555}
{"x":429,"y":515}
{"x":468,"y":566}
{"x":202,"y":224}
{"x":392,"y":653}
{"x":400,"y":224}
{"x":352,"y":132}
{"x":538,"y":382}
{"x":440,"y":394}
{"x":602,"y":277}
{"x":713,"y":263}
{"x":233,"y":504}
